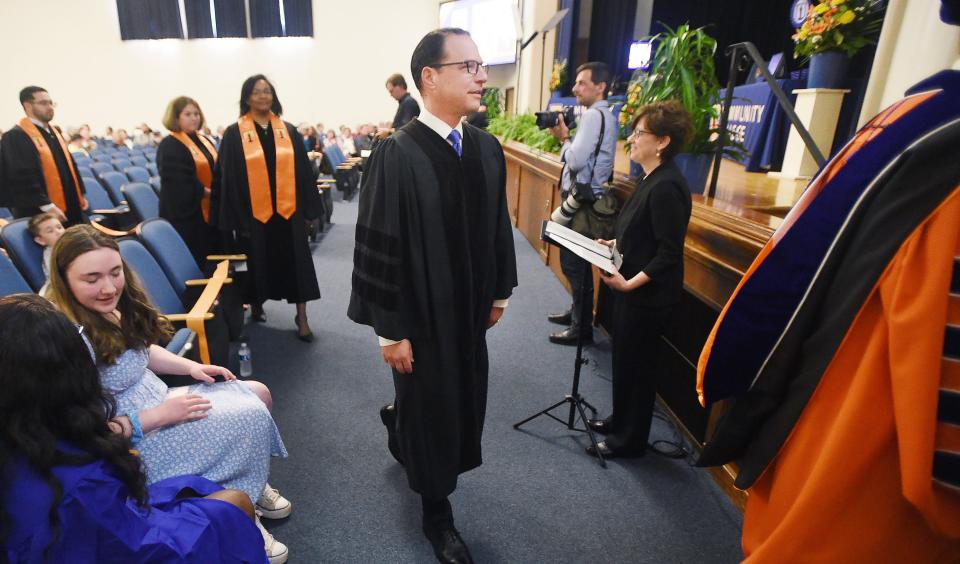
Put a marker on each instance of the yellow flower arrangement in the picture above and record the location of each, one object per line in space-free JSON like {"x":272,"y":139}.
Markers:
{"x":558,"y":75}
{"x":845,"y":25}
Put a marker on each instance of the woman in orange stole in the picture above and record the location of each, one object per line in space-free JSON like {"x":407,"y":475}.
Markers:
{"x":186,"y":160}
{"x":264,"y":191}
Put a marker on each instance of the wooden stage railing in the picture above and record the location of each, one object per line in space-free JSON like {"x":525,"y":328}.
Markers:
{"x":722,"y":241}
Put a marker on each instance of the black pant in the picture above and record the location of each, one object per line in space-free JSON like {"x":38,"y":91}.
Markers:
{"x":573,"y":268}
{"x":636,"y":365}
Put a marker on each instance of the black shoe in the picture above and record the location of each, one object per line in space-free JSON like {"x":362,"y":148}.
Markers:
{"x":602,"y":426}
{"x":447,"y":544}
{"x":608,"y":452}
{"x":257,"y":314}
{"x":388,"y":414}
{"x":564,"y":318}
{"x":569,"y":337}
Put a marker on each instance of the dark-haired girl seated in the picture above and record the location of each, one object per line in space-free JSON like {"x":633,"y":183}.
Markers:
{"x":73,"y":489}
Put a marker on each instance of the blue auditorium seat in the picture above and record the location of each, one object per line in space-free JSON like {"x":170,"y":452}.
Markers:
{"x":5,"y":214}
{"x":166,"y":245}
{"x":157,"y":287}
{"x":335,"y":155}
{"x":81,"y":160}
{"x":102,"y":157}
{"x":84,"y":170}
{"x":11,"y":281}
{"x":101,"y":167}
{"x":113,"y":182}
{"x":138,"y":160}
{"x":142,"y":200}
{"x":121,"y":163}
{"x":152,"y":157}
{"x":98,"y":198}
{"x":152,"y":169}
{"x":155,"y":184}
{"x":26,"y":254}
{"x":137,"y":174}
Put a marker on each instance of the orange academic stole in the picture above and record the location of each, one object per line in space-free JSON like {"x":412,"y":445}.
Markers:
{"x":257,"y":180}
{"x":51,"y":176}
{"x":204,"y":172}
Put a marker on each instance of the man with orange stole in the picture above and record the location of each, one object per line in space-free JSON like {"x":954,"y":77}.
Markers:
{"x":841,"y":349}
{"x":37,"y":173}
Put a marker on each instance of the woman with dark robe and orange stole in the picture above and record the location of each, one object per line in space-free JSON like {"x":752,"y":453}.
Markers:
{"x":186,"y":160}
{"x":841,"y":348}
{"x":264,"y":191}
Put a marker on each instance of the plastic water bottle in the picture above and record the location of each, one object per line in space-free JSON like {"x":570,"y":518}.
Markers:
{"x":246,"y":365}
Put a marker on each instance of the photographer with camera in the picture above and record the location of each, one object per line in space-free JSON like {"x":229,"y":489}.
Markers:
{"x":588,"y":164}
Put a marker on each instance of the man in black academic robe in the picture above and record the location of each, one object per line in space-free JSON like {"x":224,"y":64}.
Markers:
{"x":433,"y":267}
{"x":23,"y":188}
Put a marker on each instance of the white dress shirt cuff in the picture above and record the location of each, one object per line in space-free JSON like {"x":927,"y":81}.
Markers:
{"x":501,"y":303}
{"x":386,"y":342}
{"x":47,"y":207}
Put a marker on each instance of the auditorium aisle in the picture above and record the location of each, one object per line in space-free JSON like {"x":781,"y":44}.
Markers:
{"x":537,"y":498}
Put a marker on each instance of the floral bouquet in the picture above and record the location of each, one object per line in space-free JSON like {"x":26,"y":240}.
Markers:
{"x":558,"y":76}
{"x":844,"y":25}
{"x":629,"y":108}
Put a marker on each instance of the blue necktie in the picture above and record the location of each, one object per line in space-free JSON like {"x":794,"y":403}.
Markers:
{"x":454,"y":138}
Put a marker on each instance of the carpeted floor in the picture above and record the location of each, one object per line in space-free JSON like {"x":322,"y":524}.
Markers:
{"x":537,"y":498}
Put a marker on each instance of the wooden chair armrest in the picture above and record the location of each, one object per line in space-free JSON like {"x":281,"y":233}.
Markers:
{"x":111,"y":232}
{"x":111,"y":211}
{"x":201,"y":309}
{"x":226,"y":257}
{"x":205,"y":281}
{"x":184,"y":317}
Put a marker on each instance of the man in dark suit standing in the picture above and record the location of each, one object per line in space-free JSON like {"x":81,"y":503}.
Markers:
{"x":407,"y":107}
{"x":37,"y":173}
{"x":433,"y":269}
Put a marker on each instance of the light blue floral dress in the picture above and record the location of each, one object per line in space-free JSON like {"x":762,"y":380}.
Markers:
{"x":232,"y":446}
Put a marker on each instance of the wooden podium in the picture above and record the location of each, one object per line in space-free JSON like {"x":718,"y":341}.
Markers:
{"x":818,"y":110}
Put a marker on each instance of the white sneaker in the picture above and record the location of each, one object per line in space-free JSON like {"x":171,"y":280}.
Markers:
{"x":272,"y":505}
{"x":277,"y":552}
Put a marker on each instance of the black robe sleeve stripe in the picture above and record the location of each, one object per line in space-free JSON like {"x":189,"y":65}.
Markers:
{"x":378,"y":284}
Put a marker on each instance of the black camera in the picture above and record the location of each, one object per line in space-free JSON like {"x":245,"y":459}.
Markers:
{"x":547,"y":120}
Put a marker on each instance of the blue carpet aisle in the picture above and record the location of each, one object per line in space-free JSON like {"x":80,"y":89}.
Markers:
{"x":537,"y":498}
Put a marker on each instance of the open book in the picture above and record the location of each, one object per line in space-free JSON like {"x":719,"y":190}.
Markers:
{"x":604,"y":257}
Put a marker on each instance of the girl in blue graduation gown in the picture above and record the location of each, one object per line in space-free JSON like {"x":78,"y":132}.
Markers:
{"x":73,"y":490}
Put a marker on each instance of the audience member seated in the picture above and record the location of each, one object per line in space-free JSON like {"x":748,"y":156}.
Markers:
{"x":76,"y":145}
{"x":222,"y":431}
{"x":346,"y":141}
{"x":364,"y":139}
{"x":46,"y":230}
{"x":73,"y":490}
{"x":120,"y":139}
{"x":86,"y":137}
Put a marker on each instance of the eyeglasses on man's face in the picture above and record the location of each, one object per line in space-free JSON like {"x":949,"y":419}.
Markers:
{"x":471,"y":66}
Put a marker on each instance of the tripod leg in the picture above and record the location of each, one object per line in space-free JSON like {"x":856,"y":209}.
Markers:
{"x":593,"y":438}
{"x":592,"y":409}
{"x":543,"y":412}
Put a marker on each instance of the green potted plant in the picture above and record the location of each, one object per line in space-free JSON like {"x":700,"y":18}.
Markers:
{"x":682,"y":68}
{"x":832,"y":33}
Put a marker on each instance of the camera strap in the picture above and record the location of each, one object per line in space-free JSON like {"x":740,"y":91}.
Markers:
{"x":596,"y":151}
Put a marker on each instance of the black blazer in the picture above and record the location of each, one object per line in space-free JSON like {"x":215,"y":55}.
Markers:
{"x":650,"y":232}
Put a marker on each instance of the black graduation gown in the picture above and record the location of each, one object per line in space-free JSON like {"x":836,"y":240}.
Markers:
{"x":22,"y":186}
{"x":180,"y":196}
{"x":279,"y":258}
{"x":434,"y":249}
